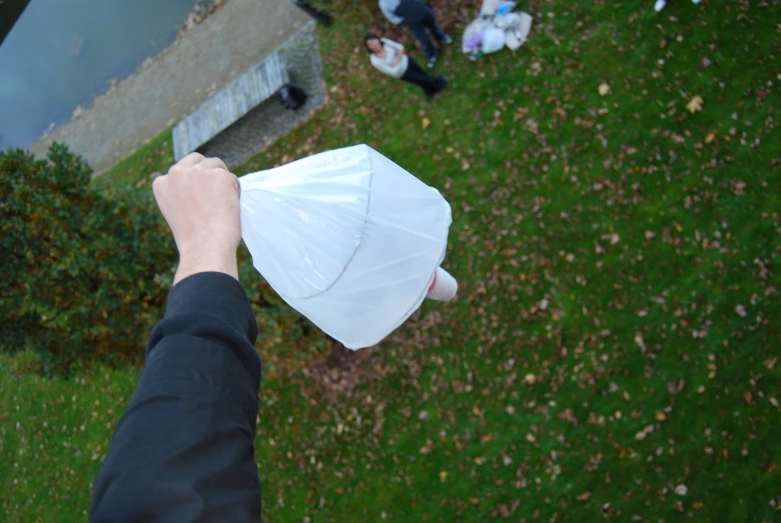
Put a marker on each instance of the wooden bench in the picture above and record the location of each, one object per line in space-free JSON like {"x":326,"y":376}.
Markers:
{"x":256,"y":85}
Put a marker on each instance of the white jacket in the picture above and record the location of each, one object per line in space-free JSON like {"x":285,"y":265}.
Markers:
{"x":392,"y":50}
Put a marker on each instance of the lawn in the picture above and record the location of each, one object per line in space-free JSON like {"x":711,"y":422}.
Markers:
{"x":613,"y":350}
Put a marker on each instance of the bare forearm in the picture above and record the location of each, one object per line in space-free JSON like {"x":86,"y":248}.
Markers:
{"x":205,"y":261}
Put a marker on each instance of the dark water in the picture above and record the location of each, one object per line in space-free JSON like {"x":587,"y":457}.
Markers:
{"x":63,"y":53}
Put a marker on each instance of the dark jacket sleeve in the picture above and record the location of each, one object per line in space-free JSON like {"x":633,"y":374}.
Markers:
{"x":184,"y":449}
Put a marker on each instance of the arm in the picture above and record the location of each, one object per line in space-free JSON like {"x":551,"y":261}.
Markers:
{"x":184,"y":449}
{"x":388,"y":8}
{"x":397,"y":47}
{"x":393,"y":70}
{"x":392,"y":43}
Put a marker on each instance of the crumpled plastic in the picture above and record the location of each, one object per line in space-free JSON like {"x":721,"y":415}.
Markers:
{"x":496,"y":27}
{"x":347,"y":238}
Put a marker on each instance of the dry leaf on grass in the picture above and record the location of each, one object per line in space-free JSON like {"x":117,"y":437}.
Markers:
{"x":695,"y":104}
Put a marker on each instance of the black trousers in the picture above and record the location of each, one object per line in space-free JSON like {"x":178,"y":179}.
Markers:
{"x":321,"y":16}
{"x":418,"y":29}
{"x":431,"y":85}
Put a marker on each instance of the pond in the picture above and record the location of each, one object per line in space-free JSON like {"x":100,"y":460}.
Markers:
{"x":63,"y":53}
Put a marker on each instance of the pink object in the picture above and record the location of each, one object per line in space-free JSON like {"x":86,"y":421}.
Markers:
{"x":444,"y":286}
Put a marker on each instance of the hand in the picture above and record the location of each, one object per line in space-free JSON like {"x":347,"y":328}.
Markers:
{"x":199,"y":199}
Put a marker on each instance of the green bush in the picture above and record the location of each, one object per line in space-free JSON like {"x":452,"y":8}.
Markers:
{"x":85,"y":273}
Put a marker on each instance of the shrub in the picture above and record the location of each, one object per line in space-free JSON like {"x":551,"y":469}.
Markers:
{"x":85,"y":273}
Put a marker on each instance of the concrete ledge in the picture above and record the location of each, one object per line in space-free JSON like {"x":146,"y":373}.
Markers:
{"x":268,"y":121}
{"x":178,"y":80}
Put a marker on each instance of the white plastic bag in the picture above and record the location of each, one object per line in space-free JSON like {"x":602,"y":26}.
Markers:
{"x":349,"y":239}
{"x":493,"y":39}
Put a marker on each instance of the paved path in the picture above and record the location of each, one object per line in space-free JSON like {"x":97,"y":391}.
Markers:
{"x":176,"y":82}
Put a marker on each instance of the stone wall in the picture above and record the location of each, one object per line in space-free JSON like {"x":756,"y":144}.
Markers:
{"x":178,"y":80}
{"x":268,"y":121}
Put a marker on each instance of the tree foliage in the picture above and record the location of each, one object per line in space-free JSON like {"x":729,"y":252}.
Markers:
{"x":85,"y":273}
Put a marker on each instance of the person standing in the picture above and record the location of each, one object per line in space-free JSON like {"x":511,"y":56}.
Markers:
{"x":419,"y":17}
{"x":389,"y":57}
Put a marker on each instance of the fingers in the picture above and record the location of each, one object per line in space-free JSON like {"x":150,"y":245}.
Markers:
{"x":158,"y":184}
{"x":213,"y":163}
{"x":191,"y":159}
{"x":199,"y":160}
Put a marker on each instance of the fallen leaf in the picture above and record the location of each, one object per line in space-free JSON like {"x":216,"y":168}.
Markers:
{"x":748,"y":398}
{"x":584,"y":496}
{"x":695,"y":104}
{"x":640,"y":436}
{"x":443,"y":476}
{"x":771,"y":363}
{"x":661,"y":416}
{"x":365,"y":110}
{"x":711,"y":136}
{"x":604,"y":89}
{"x":425,"y":123}
{"x":674,"y":387}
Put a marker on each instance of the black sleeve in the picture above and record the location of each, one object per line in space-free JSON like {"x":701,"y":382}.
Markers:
{"x":184,"y":449}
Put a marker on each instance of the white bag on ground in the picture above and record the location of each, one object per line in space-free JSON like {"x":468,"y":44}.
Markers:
{"x":349,"y":239}
{"x":493,"y":39}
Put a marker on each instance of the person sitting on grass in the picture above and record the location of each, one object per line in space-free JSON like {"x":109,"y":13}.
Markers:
{"x":389,"y":57}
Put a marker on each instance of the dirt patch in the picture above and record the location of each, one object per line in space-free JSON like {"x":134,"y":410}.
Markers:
{"x":343,"y":370}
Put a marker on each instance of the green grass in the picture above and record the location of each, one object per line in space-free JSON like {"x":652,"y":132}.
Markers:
{"x":157,"y":155}
{"x":618,"y":320}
